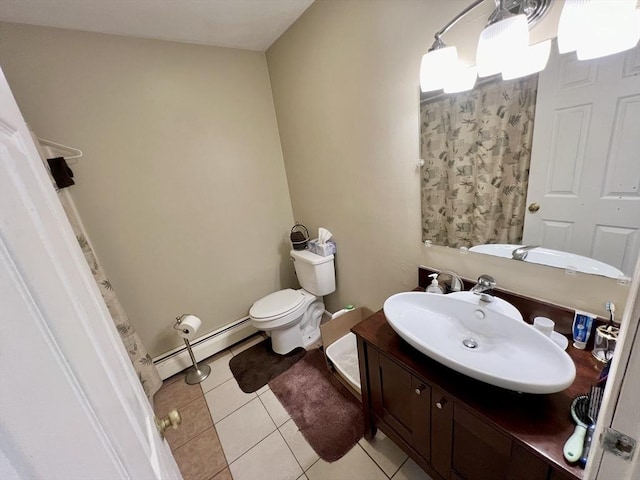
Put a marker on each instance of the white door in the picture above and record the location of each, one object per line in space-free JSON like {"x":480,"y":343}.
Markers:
{"x":620,"y":408}
{"x":585,"y":165}
{"x":71,"y":405}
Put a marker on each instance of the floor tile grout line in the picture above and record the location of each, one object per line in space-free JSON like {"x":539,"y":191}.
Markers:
{"x":225,"y":380}
{"x":402,"y":465}
{"x":250,"y":448}
{"x":238,"y":408}
{"x":293,"y":454}
{"x":285,"y":440}
{"x":274,"y":425}
{"x":198,"y":435}
{"x":191,"y":438}
{"x":213,"y":425}
{"x":318,"y":459}
{"x":268,"y":413}
{"x":179,"y":400}
{"x":372,"y":459}
{"x":231,"y":413}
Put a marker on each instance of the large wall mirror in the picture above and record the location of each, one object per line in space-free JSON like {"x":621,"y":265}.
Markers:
{"x":544,"y":169}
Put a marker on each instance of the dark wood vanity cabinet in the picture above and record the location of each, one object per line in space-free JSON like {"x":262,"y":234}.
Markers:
{"x":480,"y":452}
{"x":454,"y":442}
{"x":400,"y":400}
{"x":436,"y":416}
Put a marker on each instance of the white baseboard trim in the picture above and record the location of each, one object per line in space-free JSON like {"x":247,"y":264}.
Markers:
{"x":178,"y":359}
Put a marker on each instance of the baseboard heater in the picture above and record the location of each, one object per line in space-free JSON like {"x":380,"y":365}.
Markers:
{"x":178,"y":359}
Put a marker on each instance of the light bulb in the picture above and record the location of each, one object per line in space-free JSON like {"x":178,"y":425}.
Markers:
{"x":534,"y":60}
{"x":500,"y":43}
{"x":597,"y":28}
{"x":463,"y":78}
{"x":436,"y":68}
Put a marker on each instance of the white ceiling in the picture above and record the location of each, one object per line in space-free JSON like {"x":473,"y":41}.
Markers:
{"x":246,"y":24}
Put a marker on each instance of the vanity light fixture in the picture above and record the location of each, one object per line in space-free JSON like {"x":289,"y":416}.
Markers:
{"x":440,"y":66}
{"x":593,"y":28}
{"x":597,"y":28}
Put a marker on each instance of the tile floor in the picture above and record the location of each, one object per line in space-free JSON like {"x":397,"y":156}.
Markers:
{"x":227,"y":434}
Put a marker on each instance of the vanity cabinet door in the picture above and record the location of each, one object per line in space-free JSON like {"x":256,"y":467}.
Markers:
{"x":557,"y":475}
{"x":402,"y":401}
{"x":479,"y":451}
{"x":524,"y":465}
{"x":441,"y":432}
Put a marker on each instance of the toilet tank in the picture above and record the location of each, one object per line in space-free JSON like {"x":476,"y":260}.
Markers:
{"x":316,"y":274}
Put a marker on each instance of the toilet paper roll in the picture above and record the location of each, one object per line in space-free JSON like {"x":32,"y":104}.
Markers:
{"x":189,"y":326}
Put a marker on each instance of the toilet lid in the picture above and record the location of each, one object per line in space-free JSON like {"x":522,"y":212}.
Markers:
{"x":276,"y":303}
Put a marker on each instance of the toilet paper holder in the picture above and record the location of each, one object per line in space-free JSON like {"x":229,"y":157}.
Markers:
{"x":197,"y":373}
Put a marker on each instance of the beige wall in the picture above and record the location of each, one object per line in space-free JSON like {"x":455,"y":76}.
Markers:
{"x":345,"y":85}
{"x":183,"y":188}
{"x":182,"y":184}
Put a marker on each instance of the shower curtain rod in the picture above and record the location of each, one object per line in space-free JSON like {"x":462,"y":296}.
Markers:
{"x":77,"y":153}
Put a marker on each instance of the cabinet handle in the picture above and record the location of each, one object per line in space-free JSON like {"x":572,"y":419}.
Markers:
{"x":441,"y":403}
{"x":420,"y":389}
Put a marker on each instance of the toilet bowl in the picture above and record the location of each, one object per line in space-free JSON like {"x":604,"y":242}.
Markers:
{"x":292,"y":317}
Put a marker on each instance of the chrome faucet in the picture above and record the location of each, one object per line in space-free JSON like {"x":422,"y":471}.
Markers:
{"x":521,"y":253}
{"x":485,"y":283}
{"x":455,"y":283}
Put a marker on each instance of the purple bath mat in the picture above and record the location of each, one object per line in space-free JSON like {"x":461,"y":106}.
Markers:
{"x":327,"y":415}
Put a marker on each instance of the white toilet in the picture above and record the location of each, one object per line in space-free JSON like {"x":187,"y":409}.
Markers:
{"x":292,"y":317}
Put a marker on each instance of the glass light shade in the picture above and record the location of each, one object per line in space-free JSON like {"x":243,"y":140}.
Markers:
{"x":573,"y":25}
{"x":501,"y":43}
{"x":616,"y":32}
{"x":463,"y":78}
{"x":534,"y":60}
{"x":436,"y":68}
{"x":597,"y":28}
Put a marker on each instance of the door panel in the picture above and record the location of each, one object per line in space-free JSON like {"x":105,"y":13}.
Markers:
{"x":99,"y":389}
{"x":585,"y":165}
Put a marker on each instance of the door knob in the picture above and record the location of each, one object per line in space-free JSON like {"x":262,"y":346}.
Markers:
{"x":420,"y":389}
{"x":534,"y":207}
{"x":441,"y":403}
{"x":173,"y":420}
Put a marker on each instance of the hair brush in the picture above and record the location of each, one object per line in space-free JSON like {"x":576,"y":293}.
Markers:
{"x":579,"y":411}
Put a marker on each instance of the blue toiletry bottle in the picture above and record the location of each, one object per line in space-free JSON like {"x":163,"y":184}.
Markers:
{"x":582,"y":323}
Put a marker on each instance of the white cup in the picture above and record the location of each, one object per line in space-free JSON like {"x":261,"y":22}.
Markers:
{"x":544,"y":324}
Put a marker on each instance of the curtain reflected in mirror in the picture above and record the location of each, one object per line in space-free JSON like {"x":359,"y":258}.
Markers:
{"x":477,"y":150}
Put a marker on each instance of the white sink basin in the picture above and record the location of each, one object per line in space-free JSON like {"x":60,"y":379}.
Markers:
{"x":552,"y":258}
{"x":480,"y":342}
{"x":498,"y":305}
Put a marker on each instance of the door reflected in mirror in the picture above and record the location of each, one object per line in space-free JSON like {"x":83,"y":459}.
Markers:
{"x":551,"y":161}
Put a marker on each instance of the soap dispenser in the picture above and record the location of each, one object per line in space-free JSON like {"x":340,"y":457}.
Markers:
{"x":434,"y":287}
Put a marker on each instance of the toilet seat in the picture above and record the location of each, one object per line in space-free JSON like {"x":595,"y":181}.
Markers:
{"x":292,"y":318}
{"x":276,"y":304}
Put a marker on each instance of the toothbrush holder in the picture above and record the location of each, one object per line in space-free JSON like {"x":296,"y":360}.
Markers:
{"x":605,"y":342}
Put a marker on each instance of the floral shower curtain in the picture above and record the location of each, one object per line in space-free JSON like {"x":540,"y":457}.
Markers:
{"x":141,"y":360}
{"x":477,"y":149}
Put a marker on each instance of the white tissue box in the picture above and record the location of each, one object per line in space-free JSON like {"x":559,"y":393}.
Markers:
{"x":324,"y":250}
